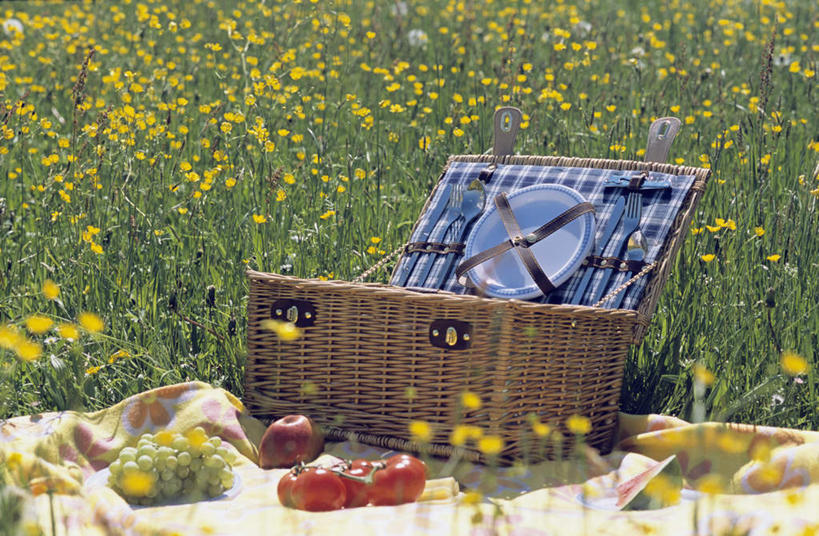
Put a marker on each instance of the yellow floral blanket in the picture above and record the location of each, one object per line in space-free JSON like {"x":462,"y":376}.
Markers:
{"x":665,"y":476}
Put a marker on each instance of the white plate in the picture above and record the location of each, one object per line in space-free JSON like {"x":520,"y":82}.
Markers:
{"x":100,"y":480}
{"x":559,"y":254}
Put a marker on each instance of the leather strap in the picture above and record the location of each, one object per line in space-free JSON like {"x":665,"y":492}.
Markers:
{"x":440,"y":248}
{"x":520,"y":243}
{"x":486,"y":173}
{"x":636,"y":181}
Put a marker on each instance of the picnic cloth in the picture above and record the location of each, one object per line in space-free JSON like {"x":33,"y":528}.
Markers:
{"x":738,"y":479}
{"x":660,"y":208}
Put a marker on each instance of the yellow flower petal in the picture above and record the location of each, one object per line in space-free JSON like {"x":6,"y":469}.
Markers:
{"x":28,"y":350}
{"x":68,"y":331}
{"x":10,"y":337}
{"x":703,"y":375}
{"x":577,"y":424}
{"x":38,"y":324}
{"x":286,"y":331}
{"x":793,"y":364}
{"x":137,"y":483}
{"x":470,"y":400}
{"x":91,"y":322}
{"x":420,"y":431}
{"x":51,"y":289}
{"x":708,"y":258}
{"x":490,"y":445}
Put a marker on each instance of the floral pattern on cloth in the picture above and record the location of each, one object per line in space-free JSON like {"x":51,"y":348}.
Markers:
{"x":155,"y":410}
{"x":735,"y":478}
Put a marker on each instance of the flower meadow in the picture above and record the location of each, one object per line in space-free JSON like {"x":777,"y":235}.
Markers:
{"x":152,"y":150}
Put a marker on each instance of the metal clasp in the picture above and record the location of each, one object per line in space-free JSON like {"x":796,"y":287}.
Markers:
{"x":302,"y":313}
{"x":450,"y":334}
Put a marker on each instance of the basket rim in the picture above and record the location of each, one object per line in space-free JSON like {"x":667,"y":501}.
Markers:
{"x":337,"y":285}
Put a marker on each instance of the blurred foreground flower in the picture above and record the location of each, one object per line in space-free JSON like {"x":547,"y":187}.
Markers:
{"x":91,"y":322}
{"x":12,"y":26}
{"x":470,"y":400}
{"x":417,"y":37}
{"x":490,"y":445}
{"x":138,"y":483}
{"x":793,"y":364}
{"x":38,"y":324}
{"x":286,"y":331}
{"x":420,"y":431}
{"x":579,"y":425}
{"x":51,"y":289}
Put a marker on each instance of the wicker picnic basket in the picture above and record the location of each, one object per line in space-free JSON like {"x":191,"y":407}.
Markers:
{"x":365,"y":367}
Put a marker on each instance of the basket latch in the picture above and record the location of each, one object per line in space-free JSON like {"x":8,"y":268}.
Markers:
{"x":299,"y":312}
{"x":450,"y":334}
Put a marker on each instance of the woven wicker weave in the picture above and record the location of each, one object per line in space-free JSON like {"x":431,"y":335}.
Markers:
{"x":366,"y":369}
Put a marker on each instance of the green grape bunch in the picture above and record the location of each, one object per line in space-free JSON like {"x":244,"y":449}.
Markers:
{"x":168,"y":466}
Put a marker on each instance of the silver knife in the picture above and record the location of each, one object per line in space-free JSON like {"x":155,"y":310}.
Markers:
{"x":423,"y":235}
{"x":608,"y":230}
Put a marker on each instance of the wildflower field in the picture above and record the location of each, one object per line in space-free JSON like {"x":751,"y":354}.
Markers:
{"x":152,"y":150}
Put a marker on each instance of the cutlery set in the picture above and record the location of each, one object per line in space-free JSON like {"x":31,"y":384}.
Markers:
{"x":451,"y":218}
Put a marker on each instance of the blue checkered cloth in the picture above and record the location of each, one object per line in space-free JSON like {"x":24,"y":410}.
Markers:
{"x":660,"y":208}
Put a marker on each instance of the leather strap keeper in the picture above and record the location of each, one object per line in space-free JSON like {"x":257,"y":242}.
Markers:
{"x":614,"y":263}
{"x":440,"y":248}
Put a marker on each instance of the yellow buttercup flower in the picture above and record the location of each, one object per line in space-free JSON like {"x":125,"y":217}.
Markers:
{"x":50,"y":289}
{"x":196,"y":437}
{"x":10,"y":337}
{"x":68,"y":331}
{"x":579,"y":425}
{"x":703,"y":375}
{"x":28,"y":350}
{"x":463,"y":433}
{"x":490,"y":445}
{"x":708,"y":258}
{"x":38,"y":324}
{"x":286,"y":331}
{"x":540,"y":429}
{"x":164,"y":438}
{"x":470,"y":400}
{"x":793,"y":364}
{"x":91,"y":322}
{"x":137,"y":483}
{"x":420,"y":431}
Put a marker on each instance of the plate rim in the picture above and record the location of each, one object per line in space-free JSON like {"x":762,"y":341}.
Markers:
{"x":532,"y":290}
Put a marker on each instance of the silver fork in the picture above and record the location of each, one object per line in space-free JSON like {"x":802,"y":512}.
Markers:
{"x":636,"y":249}
{"x":452,"y":213}
{"x":631,"y":221}
{"x":471,"y":208}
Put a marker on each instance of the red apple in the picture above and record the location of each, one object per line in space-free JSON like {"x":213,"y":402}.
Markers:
{"x":290,"y":440}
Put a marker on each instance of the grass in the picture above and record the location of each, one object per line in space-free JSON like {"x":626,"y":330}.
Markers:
{"x":304,"y":137}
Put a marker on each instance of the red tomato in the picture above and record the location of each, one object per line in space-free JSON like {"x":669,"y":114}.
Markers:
{"x":318,"y":490}
{"x":401,"y":480}
{"x":357,"y":491}
{"x":285,"y":489}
